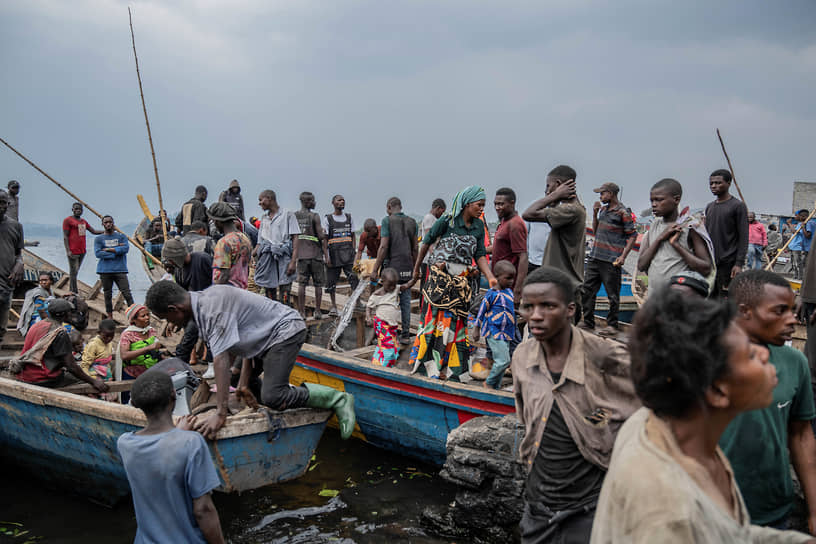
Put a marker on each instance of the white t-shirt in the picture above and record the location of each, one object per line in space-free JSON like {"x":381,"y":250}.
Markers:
{"x":537,"y":236}
{"x":338,"y":218}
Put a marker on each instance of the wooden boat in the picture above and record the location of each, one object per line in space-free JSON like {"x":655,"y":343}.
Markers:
{"x":71,"y":439}
{"x":398,"y":411}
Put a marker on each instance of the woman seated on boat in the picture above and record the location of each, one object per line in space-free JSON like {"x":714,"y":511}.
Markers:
{"x":694,"y":370}
{"x":48,"y":352}
{"x":138,"y":346}
{"x":442,"y":338}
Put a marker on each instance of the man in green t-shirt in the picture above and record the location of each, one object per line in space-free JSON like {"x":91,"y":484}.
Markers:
{"x":757,"y":443}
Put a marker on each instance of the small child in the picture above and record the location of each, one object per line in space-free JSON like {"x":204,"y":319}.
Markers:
{"x":170,"y":471}
{"x":497,"y":321}
{"x":385,"y":303}
{"x":98,"y":353}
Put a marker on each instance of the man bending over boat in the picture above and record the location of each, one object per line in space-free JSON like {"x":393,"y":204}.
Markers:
{"x":264,"y":332}
{"x":47,"y":352}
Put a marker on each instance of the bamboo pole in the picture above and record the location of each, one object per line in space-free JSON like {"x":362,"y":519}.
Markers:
{"x":731,"y":168}
{"x":75,"y":197}
{"x":162,"y":212}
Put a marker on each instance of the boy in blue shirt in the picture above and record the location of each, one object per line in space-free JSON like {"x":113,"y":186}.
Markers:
{"x":111,"y":249}
{"x":496,"y":321}
{"x":170,"y":471}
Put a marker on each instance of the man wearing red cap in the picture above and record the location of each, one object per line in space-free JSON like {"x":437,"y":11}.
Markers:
{"x":614,"y":237}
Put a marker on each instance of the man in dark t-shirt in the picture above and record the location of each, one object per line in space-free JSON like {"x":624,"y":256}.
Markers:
{"x":11,"y":259}
{"x":726,"y":220}
{"x":510,"y":240}
{"x":398,"y":250}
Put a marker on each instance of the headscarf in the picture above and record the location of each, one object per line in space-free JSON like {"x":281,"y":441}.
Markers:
{"x":472,"y":193}
{"x":131,"y":312}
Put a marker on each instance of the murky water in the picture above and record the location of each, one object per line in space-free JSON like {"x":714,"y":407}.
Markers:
{"x":380,"y":497}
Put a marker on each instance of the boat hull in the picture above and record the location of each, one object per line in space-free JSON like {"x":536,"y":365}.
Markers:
{"x":70,"y":441}
{"x":397,"y":411}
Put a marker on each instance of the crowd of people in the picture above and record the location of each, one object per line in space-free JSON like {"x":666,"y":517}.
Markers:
{"x":706,"y":398}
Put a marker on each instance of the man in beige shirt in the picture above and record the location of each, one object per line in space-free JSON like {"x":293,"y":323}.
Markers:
{"x":694,"y":370}
{"x":573,"y":392}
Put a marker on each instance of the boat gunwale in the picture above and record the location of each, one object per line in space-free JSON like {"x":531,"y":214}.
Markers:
{"x":235,"y":426}
{"x":398,"y":375}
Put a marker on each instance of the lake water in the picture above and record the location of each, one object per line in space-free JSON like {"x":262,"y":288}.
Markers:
{"x":380,"y":495}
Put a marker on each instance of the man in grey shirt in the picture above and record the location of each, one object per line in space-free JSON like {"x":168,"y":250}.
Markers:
{"x":266,"y":334}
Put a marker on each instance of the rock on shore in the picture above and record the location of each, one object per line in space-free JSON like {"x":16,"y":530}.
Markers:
{"x":482,"y":460}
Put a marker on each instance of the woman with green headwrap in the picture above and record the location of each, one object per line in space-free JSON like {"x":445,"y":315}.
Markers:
{"x":442,"y":339}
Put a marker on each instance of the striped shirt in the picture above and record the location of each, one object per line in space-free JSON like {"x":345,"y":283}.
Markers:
{"x":496,"y":317}
{"x":615,"y":227}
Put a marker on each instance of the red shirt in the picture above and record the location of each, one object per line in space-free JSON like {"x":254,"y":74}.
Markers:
{"x":371,"y":245}
{"x":76,"y":234}
{"x":510,"y":241}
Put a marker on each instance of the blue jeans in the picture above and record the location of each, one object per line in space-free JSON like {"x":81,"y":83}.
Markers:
{"x":754,"y":256}
{"x":501,"y":360}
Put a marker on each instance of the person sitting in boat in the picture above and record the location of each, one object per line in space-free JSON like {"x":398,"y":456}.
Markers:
{"x":266,"y":334}
{"x":169,"y":469}
{"x":386,"y":319}
{"x":48,"y":352}
{"x":695,"y":371}
{"x":35,"y":304}
{"x":154,"y":237}
{"x":98,"y":353}
{"x":138,"y":347}
{"x":442,"y":339}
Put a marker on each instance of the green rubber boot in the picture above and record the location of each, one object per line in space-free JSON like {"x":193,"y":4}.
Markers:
{"x":321,"y":396}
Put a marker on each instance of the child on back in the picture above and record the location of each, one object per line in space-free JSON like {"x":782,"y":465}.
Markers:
{"x":496,"y":321}
{"x":170,"y":471}
{"x":671,"y":246}
{"x":385,"y":304}
{"x":98,"y":353}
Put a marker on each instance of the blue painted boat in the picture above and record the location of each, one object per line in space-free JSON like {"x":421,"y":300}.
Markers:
{"x":398,"y":411}
{"x":70,"y":440}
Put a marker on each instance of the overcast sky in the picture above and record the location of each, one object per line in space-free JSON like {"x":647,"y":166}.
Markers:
{"x":414,"y":99}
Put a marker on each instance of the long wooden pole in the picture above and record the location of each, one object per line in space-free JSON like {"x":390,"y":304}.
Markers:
{"x":75,"y":197}
{"x":162,"y":213}
{"x":730,"y":168}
